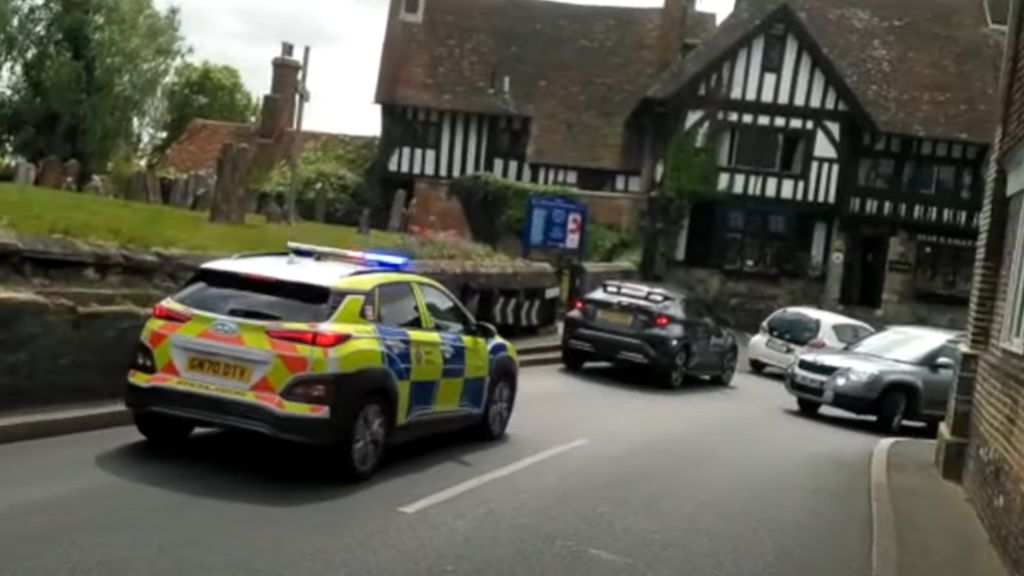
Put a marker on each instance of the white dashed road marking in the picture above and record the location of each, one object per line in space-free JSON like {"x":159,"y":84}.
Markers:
{"x":478,"y":481}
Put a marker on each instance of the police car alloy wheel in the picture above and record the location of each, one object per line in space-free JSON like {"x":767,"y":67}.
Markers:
{"x":499,"y":408}
{"x":368,"y":439}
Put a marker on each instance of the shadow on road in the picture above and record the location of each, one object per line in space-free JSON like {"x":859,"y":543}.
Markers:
{"x":862,"y":424}
{"x":641,"y":380}
{"x":254,"y":469}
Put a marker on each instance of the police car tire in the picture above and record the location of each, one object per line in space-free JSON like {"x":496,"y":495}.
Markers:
{"x":163,"y":430}
{"x":484,"y":430}
{"x":347,"y":467}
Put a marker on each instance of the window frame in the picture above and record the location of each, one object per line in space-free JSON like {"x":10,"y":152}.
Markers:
{"x":780,"y":38}
{"x":1014,"y":305}
{"x":868,"y":171}
{"x":753,"y":227}
{"x":411,"y":15}
{"x":469,"y":326}
{"x":378,"y":318}
{"x":801,"y":154}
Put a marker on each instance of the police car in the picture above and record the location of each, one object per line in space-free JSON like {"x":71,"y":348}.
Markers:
{"x":319,"y":345}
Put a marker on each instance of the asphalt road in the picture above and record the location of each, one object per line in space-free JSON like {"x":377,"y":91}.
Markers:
{"x":597,"y":476}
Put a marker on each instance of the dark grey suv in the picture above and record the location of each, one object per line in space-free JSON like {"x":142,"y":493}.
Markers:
{"x":903,"y":373}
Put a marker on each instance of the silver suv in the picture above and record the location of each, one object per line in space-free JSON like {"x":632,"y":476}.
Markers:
{"x":903,"y":373}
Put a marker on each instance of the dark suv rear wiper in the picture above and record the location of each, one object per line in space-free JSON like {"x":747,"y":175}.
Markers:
{"x":254,"y":314}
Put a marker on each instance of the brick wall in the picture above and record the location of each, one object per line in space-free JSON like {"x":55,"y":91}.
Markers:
{"x":994,"y":471}
{"x":994,"y":475}
{"x":1014,"y":86}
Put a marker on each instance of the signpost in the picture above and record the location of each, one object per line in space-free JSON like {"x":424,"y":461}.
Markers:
{"x":557,"y":227}
{"x":554,"y":224}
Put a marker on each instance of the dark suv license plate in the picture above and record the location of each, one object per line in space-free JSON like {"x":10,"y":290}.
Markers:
{"x":615,"y":317}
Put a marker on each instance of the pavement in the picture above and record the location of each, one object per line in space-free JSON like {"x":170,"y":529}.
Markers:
{"x":601,"y":473}
{"x":924,"y":525}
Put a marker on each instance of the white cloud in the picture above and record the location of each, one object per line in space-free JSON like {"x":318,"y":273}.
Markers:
{"x":346,"y":38}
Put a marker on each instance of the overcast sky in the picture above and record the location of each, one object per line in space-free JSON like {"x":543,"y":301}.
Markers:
{"x":346,"y":37}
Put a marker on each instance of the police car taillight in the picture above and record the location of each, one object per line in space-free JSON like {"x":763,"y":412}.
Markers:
{"x":161,"y":312}
{"x":310,"y":337}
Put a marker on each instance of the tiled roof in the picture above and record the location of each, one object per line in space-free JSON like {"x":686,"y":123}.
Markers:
{"x":700,"y":26}
{"x":199,"y":146}
{"x":926,"y":68}
{"x":576,"y":71}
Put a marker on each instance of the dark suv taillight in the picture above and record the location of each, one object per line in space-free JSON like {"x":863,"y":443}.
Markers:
{"x":144,"y":361}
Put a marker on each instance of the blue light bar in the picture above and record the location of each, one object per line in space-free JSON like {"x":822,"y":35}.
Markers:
{"x":376,"y":260}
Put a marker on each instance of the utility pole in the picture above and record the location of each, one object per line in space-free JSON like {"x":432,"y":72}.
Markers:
{"x":293,"y":160}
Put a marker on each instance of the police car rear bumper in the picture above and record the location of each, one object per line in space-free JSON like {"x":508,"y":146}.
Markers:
{"x":224,"y":413}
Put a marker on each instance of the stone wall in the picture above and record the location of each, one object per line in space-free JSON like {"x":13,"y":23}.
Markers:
{"x":744,"y":300}
{"x":53,"y":352}
{"x":72,"y":312}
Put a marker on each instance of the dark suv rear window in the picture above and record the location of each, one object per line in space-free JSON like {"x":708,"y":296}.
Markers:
{"x":256,"y":298}
{"x":793,"y":327}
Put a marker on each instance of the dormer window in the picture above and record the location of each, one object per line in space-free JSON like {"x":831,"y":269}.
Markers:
{"x":774,"y":51}
{"x":412,"y":10}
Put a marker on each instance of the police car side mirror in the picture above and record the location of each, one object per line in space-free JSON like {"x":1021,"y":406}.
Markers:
{"x":486,"y":330}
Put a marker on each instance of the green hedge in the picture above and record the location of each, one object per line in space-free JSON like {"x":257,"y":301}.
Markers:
{"x":496,"y":209}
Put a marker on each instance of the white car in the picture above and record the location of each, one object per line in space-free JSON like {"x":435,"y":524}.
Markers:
{"x":791,"y":331}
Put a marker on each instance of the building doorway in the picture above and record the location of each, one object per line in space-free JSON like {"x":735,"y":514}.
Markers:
{"x":864,"y":272}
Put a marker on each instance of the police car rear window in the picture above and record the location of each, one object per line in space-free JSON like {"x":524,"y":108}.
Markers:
{"x":256,"y":298}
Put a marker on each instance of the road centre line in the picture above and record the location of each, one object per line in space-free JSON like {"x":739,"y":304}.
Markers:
{"x":472,"y":483}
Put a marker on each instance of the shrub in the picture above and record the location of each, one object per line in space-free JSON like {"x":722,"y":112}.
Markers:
{"x":496,"y":208}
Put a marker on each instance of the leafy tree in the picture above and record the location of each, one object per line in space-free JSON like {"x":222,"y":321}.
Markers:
{"x":332,"y":185}
{"x":690,"y":172}
{"x":206,"y":90}
{"x":85,"y":77}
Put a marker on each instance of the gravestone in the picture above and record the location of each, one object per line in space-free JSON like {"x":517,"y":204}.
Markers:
{"x":181,"y":196}
{"x":72,"y":172}
{"x":407,"y":215}
{"x":99,"y":185}
{"x":364,"y":222}
{"x":135,"y":188}
{"x":230,"y":200}
{"x":51,"y":173}
{"x":152,"y":182}
{"x":273,"y":213}
{"x":200,"y":186}
{"x":25,"y":174}
{"x":395,"y":220}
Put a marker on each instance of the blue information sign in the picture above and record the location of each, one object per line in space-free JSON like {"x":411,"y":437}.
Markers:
{"x":554,"y":224}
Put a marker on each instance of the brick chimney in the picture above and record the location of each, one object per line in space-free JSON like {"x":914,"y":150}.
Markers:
{"x":672,"y":29}
{"x":278,"y":112}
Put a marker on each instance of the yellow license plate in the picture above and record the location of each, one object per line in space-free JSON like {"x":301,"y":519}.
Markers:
{"x":615,"y":317}
{"x":219,"y":368}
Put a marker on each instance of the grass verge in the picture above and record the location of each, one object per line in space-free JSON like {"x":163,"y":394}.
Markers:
{"x":41,"y":211}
